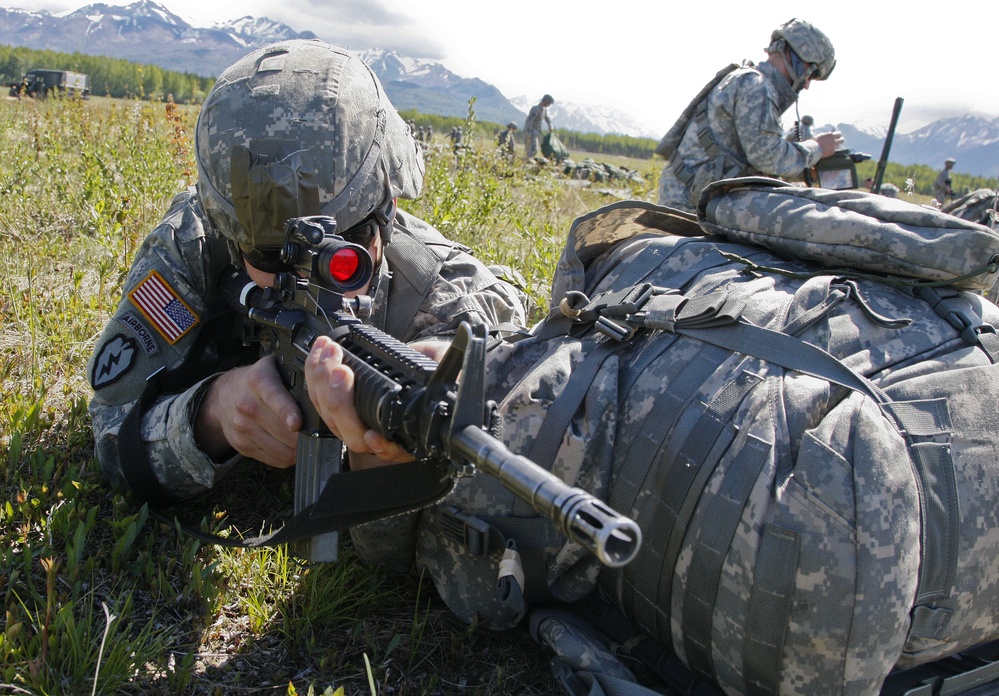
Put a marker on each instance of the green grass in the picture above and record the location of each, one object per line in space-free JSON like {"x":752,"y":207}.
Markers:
{"x":100,"y":596}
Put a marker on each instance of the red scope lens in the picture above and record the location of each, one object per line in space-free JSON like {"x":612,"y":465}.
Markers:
{"x":344,"y":265}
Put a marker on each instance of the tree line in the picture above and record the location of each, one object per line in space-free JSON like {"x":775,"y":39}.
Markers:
{"x":922,"y":177}
{"x":109,"y":77}
{"x":624,"y":145}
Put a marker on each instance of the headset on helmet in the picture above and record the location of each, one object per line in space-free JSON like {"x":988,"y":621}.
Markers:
{"x":300,"y":128}
{"x":811,"y":53}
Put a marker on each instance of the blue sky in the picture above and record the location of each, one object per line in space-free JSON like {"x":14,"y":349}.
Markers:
{"x":650,"y":58}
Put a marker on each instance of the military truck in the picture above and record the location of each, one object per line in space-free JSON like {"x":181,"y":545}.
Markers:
{"x":39,"y":82}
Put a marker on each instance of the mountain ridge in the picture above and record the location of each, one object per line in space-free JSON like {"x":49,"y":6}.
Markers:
{"x":146,"y":31}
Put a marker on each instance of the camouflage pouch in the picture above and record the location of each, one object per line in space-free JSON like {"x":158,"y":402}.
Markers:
{"x":852,"y":229}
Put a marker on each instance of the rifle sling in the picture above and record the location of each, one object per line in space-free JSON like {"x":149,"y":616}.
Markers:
{"x":350,"y":498}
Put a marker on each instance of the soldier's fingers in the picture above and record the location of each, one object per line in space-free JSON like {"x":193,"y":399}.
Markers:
{"x":280,"y":406}
{"x":272,"y":451}
{"x":386,"y":450}
{"x":331,"y":388}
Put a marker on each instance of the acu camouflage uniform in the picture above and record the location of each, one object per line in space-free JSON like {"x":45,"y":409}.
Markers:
{"x":736,"y":131}
{"x":312,"y":124}
{"x":176,"y":255}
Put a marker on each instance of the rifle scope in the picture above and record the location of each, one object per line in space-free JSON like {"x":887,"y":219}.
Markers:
{"x":311,"y":245}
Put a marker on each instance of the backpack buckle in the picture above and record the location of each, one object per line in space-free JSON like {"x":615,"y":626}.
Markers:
{"x":619,"y":303}
{"x":469,"y":531}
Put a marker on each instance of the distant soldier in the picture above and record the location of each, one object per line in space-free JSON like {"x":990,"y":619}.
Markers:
{"x":456,"y":139}
{"x":532,"y":126}
{"x":506,"y":139}
{"x":942,"y":188}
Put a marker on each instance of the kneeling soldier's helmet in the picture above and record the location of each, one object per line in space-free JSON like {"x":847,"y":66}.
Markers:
{"x":809,"y":44}
{"x":300,"y":128}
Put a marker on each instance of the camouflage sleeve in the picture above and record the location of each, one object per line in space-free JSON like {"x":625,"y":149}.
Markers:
{"x":758,"y":127}
{"x":466,"y":290}
{"x":153,"y":328}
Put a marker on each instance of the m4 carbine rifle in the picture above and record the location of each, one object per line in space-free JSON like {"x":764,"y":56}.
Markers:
{"x":401,"y":394}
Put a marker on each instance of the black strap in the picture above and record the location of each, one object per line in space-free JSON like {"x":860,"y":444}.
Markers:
{"x":681,"y":379}
{"x":928,"y":428}
{"x":356,"y":498}
{"x":685,"y":464}
{"x":770,"y":610}
{"x":561,"y":411}
{"x":724,"y":513}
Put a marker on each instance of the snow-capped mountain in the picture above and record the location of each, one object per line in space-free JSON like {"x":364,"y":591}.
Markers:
{"x":431,"y":88}
{"x":144,"y":32}
{"x":973,"y":140}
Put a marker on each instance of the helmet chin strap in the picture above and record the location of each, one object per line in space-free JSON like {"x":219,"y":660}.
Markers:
{"x":799,"y":69}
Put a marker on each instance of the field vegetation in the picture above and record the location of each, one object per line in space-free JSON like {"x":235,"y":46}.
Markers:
{"x":101,"y":596}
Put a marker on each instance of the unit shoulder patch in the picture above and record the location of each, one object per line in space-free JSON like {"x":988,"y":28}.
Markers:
{"x":114,"y":359}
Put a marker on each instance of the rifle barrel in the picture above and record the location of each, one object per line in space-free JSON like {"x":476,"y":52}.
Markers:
{"x":612,"y":538}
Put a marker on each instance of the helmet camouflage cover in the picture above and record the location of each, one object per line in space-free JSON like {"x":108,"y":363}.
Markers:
{"x":811,"y":45}
{"x":300,"y":128}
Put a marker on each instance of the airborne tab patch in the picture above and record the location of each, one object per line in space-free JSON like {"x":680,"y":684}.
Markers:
{"x":162,"y":306}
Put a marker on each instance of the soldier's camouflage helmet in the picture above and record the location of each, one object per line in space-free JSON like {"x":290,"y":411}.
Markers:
{"x":300,"y":128}
{"x":811,"y":45}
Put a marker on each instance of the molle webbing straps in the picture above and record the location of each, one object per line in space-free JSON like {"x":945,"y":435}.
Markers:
{"x":707,"y":563}
{"x":769,"y":610}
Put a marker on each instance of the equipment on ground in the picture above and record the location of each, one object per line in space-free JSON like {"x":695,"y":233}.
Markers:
{"x":40,"y":82}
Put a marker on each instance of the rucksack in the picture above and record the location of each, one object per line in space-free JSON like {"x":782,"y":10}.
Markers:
{"x":552,"y":147}
{"x":667,"y":146}
{"x":978,"y":206}
{"x":811,"y":448}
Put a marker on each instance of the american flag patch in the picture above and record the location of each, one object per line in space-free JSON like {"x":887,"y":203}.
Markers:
{"x":163,"y":307}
